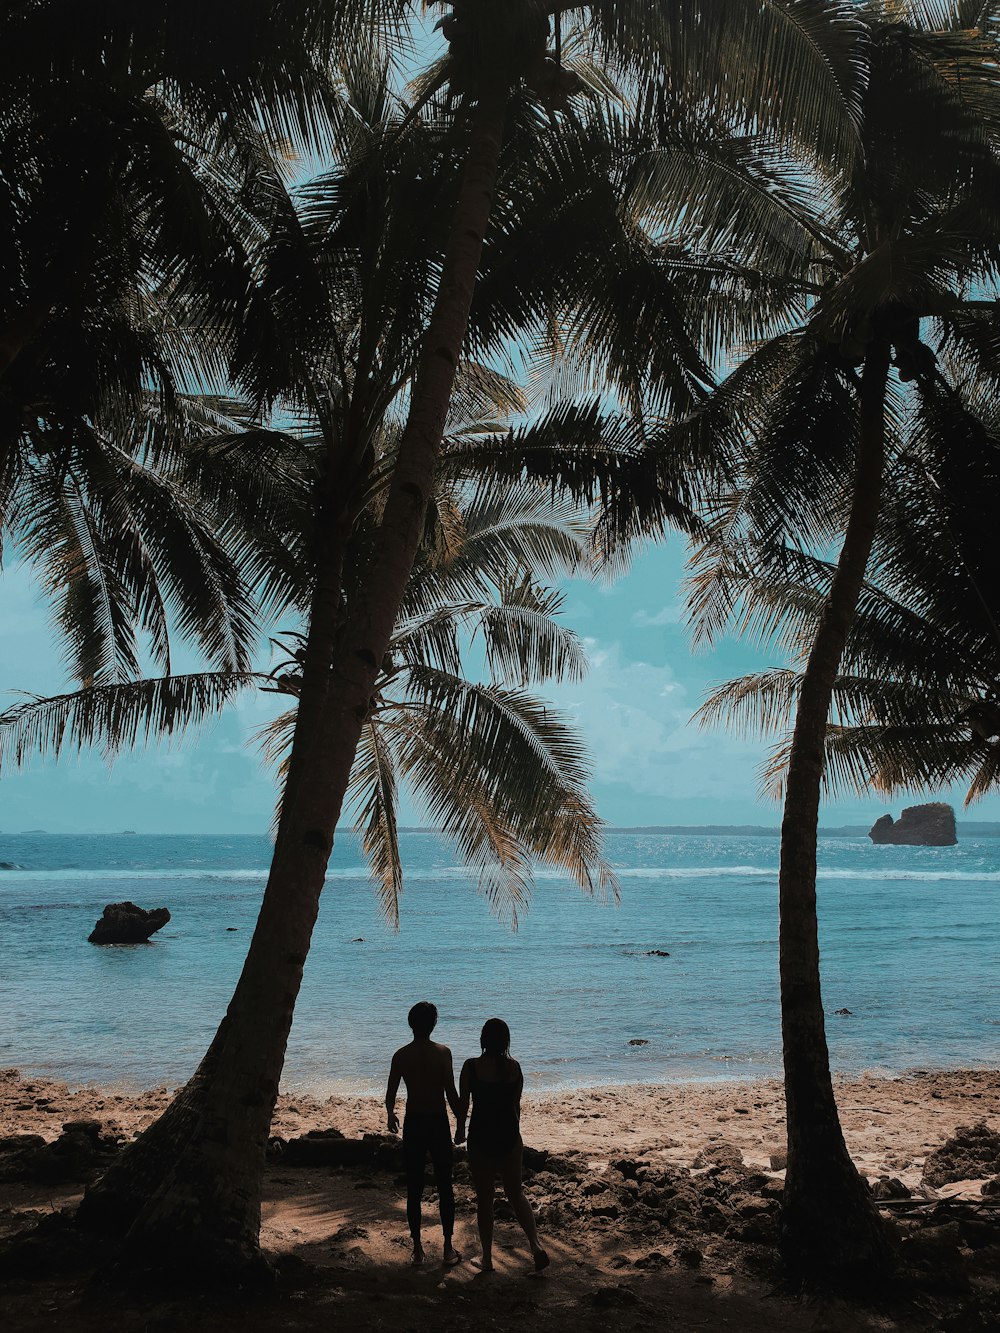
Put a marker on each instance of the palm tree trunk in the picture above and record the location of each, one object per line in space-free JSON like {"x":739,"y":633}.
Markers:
{"x":830,"y":1225}
{"x":189,"y":1190}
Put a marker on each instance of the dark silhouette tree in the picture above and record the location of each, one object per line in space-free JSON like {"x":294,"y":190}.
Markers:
{"x":885,"y":258}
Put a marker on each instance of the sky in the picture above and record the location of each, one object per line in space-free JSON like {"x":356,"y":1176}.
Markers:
{"x":651,"y":764}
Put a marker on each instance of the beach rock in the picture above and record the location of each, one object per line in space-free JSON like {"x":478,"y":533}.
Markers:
{"x":930,"y":825}
{"x":638,"y":1041}
{"x":627,"y":1166}
{"x":657,"y":953}
{"x":15,"y":1144}
{"x":614,"y":1297}
{"x":720,"y":1156}
{"x":888,"y":1187}
{"x":329,"y":1147}
{"x":991,"y":1188}
{"x":125,"y":923}
{"x":936,"y":1245}
{"x":973,"y":1151}
{"x":540,"y":1159}
{"x":755,"y":1223}
{"x":76,"y":1156}
{"x":654,"y":1259}
{"x":778,"y":1159}
{"x":843,"y":1013}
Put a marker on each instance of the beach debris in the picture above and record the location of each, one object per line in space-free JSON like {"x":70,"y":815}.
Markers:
{"x":638,"y":1041}
{"x":127,"y":923}
{"x":972,"y":1152}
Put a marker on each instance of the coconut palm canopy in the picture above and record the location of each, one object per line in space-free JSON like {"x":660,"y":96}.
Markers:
{"x":501,"y":773}
{"x":917,"y":252}
{"x":915,"y":704}
{"x":137,"y":170}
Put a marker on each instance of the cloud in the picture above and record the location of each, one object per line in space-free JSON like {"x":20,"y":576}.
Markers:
{"x":636,"y":717}
{"x":670,"y":615}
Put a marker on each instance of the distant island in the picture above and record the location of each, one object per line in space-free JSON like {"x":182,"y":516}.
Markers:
{"x":930,"y":825}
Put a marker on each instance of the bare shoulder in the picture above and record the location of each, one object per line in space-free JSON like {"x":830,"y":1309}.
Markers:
{"x":444,"y":1052}
{"x":398,"y":1057}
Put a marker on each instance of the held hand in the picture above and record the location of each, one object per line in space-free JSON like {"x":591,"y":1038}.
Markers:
{"x":393,"y":1122}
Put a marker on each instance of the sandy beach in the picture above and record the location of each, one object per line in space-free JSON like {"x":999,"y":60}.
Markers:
{"x":604,"y":1161}
{"x":890,"y":1124}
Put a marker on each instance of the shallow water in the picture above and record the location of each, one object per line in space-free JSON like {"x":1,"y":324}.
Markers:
{"x":910,"y":939}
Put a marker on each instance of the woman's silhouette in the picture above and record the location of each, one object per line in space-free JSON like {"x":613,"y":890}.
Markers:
{"x":494,"y":1082}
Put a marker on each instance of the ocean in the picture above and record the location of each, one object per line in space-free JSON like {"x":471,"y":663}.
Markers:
{"x":910,"y":941}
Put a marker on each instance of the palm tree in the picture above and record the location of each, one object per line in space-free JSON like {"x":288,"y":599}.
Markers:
{"x":113,"y":130}
{"x":915,"y":704}
{"x":191,"y":1184}
{"x":134,"y":180}
{"x":498,"y":770}
{"x":885,"y":261}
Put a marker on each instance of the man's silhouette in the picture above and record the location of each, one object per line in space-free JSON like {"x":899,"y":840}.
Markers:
{"x":426,"y":1068}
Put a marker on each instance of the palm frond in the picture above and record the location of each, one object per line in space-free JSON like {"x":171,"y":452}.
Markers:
{"x":115,"y":717}
{"x":372,"y":793}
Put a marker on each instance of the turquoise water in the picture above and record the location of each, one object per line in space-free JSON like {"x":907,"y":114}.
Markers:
{"x":910,"y":937}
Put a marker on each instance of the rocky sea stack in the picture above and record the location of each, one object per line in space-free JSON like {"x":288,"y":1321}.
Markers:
{"x":931,"y":825}
{"x":126,"y":923}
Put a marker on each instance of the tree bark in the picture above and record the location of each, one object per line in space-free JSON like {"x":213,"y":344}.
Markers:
{"x":188,"y":1191}
{"x":830,"y":1227}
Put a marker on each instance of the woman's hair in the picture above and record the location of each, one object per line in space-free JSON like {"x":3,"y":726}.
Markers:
{"x":495,"y":1038}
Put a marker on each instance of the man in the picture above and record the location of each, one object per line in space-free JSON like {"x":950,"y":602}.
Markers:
{"x":426,"y":1068}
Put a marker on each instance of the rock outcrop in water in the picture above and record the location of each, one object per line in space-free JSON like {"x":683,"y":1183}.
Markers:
{"x":126,"y":923}
{"x":930,"y":825}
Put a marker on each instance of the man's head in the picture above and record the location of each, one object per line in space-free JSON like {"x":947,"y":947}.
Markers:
{"x":423,"y":1018}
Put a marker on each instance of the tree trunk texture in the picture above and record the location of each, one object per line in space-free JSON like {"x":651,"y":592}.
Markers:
{"x":831,"y":1230}
{"x":188,"y":1191}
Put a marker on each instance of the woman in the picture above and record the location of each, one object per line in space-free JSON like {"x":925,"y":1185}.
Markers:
{"x":494,"y":1082}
